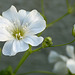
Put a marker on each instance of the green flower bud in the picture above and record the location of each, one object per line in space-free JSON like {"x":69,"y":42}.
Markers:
{"x":71,"y":9}
{"x":47,"y":42}
{"x":73,"y":30}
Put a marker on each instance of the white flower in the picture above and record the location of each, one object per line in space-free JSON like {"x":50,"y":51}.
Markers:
{"x":63,"y":63}
{"x":19,"y":29}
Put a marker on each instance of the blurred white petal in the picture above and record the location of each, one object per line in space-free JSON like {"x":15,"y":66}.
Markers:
{"x":60,"y":68}
{"x":71,"y":65}
{"x":70,"y":50}
{"x":64,"y":58}
{"x":53,"y":57}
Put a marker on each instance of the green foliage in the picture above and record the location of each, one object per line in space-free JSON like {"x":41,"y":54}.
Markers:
{"x":7,"y":71}
{"x":69,"y":73}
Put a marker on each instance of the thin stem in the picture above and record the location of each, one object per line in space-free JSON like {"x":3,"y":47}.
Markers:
{"x":30,"y":48}
{"x":27,"y":53}
{"x":42,"y":7}
{"x":67,"y":3}
{"x":53,"y":46}
{"x":45,"y":72}
{"x":36,"y":49}
{"x":63,"y":44}
{"x":48,"y":25}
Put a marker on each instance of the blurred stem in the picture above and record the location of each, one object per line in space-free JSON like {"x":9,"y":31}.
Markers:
{"x":67,"y":3}
{"x":63,"y":44}
{"x":45,"y":72}
{"x":27,"y":53}
{"x":42,"y":7}
{"x":50,"y":24}
{"x":43,"y":13}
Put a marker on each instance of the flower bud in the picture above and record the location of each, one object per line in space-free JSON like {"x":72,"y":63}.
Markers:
{"x":47,"y":42}
{"x":73,"y":30}
{"x":71,"y":9}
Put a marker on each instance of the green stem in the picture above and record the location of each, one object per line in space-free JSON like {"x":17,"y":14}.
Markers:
{"x":36,"y":49}
{"x":48,"y":25}
{"x":67,"y":3}
{"x":53,"y":46}
{"x":42,"y":7}
{"x":45,"y":72}
{"x":27,"y":53}
{"x":63,"y":44}
{"x":30,"y":48}
{"x":0,"y":54}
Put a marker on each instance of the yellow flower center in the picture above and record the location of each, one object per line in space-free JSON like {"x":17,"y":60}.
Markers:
{"x":18,"y":33}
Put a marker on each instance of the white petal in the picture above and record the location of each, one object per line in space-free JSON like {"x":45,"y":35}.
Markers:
{"x":4,"y":22}
{"x":60,"y":68}
{"x":33,"y":16}
{"x":5,"y":25}
{"x":5,"y":35}
{"x":20,"y":46}
{"x":70,"y":50}
{"x":22,"y":15}
{"x":12,"y":15}
{"x":37,"y":27}
{"x":8,"y":49}
{"x":53,"y":57}
{"x":64,"y":58}
{"x":33,"y":40}
{"x":71,"y":65}
{"x":11,"y":48}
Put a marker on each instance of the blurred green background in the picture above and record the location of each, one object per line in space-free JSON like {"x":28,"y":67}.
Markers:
{"x":61,"y":32}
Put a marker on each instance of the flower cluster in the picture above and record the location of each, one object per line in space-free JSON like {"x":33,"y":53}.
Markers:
{"x":19,"y":28}
{"x":63,"y":63}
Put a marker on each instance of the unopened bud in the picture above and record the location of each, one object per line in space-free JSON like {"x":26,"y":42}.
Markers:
{"x":71,"y":9}
{"x":73,"y":30}
{"x":47,"y":42}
